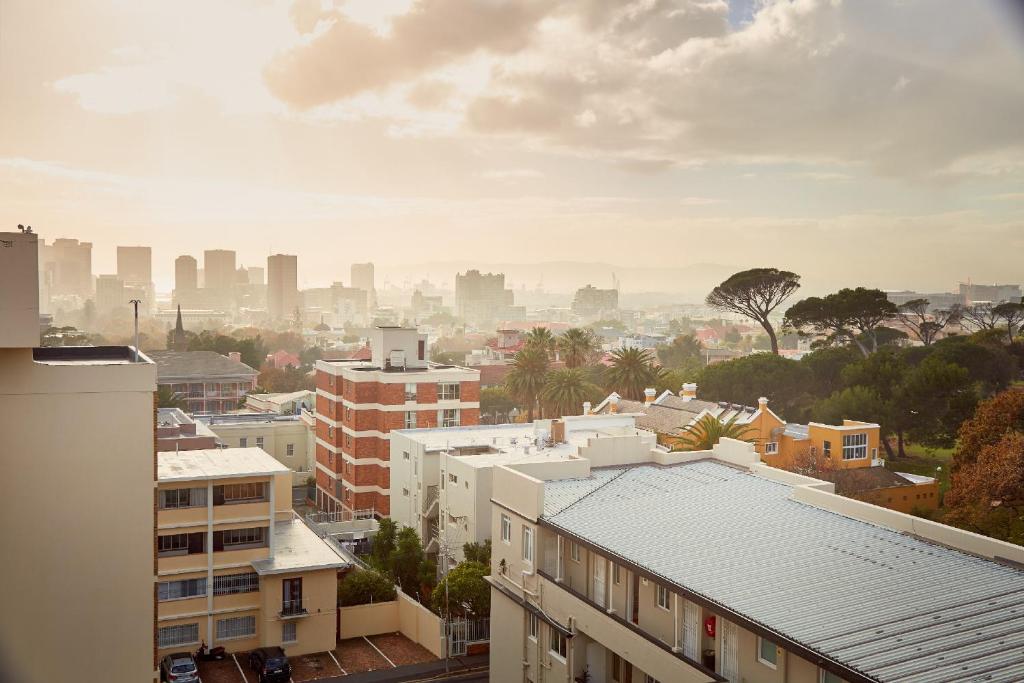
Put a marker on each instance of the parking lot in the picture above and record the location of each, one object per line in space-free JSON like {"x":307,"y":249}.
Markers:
{"x":355,"y":655}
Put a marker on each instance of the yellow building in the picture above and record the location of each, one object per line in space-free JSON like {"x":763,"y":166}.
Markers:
{"x":236,"y":567}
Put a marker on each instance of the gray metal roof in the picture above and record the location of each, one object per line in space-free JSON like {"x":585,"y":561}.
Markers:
{"x":172,"y":365}
{"x":878,"y":601}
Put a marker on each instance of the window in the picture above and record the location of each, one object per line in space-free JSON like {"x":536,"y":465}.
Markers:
{"x":288,"y":632}
{"x":453,"y":478}
{"x":528,"y":544}
{"x":574,"y":551}
{"x":855,"y":446}
{"x":255,"y":536}
{"x":558,"y":645}
{"x":767,"y":653}
{"x":236,"y":627}
{"x":828,"y":677}
{"x":243,"y":493}
{"x":662,"y":597}
{"x":179,"y":590}
{"x":182,"y":634}
{"x":232,"y":584}
{"x":826,"y":448}
{"x":405,"y":492}
{"x":170,"y":499}
{"x":506,"y":528}
{"x":616,"y":574}
{"x":348,"y":412}
{"x":448,"y":418}
{"x":771,"y":448}
{"x":410,"y":391}
{"x":532,"y":625}
{"x":259,"y":442}
{"x":616,"y":668}
{"x":289,"y":449}
{"x":405,"y":455}
{"x":448,"y":391}
{"x":243,"y":442}
{"x":410,"y":420}
{"x":648,"y":678}
{"x":415,"y":465}
{"x":173,"y":544}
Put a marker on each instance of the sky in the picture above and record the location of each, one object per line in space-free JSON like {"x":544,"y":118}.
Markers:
{"x":852,"y":141}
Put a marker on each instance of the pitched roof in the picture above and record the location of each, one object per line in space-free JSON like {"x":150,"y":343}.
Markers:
{"x":667,"y":416}
{"x":206,"y":364}
{"x":860,"y":479}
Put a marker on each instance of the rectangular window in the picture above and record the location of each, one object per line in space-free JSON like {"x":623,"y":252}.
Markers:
{"x":182,"y":634}
{"x":767,"y":653}
{"x":232,"y":584}
{"x":855,"y":446}
{"x":259,"y":442}
{"x":453,"y":478}
{"x":616,"y":668}
{"x":616,"y":574}
{"x":243,"y":493}
{"x":828,"y":677}
{"x":448,"y":391}
{"x":288,"y":632}
{"x":172,"y":499}
{"x":236,"y":627}
{"x":410,"y":420}
{"x":532,"y":625}
{"x":405,"y":455}
{"x":448,"y":417}
{"x":528,"y":544}
{"x":405,"y":492}
{"x":506,"y":528}
{"x":662,"y":597}
{"x":574,"y":551}
{"x":289,"y":449}
{"x":239,"y":539}
{"x":771,"y":448}
{"x":179,"y":590}
{"x":410,"y":391}
{"x":826,"y":448}
{"x":172,"y":544}
{"x":243,"y":442}
{"x":558,"y":646}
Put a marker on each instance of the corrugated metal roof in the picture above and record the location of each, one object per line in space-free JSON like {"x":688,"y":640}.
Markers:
{"x":878,"y":601}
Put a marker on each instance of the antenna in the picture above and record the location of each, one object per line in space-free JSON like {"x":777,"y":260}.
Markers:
{"x":135,"y":304}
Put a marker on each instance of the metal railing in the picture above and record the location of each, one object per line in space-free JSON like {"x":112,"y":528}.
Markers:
{"x":294,"y":608}
{"x":430,"y":498}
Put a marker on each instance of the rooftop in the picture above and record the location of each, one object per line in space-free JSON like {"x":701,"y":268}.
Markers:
{"x":298,"y":548}
{"x":205,"y":364}
{"x":216,"y":463}
{"x":87,"y":355}
{"x":874,"y":600}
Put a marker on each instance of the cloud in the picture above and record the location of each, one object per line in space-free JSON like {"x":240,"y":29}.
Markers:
{"x":512,"y":174}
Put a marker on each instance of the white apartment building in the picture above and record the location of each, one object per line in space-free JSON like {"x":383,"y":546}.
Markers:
{"x":441,"y":477}
{"x":711,"y":566}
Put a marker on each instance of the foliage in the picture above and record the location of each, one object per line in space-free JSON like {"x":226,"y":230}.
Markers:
{"x":826,"y":366}
{"x":681,"y":352}
{"x":935,"y":398}
{"x":448,"y":357}
{"x":496,"y":401}
{"x":578,"y":347}
{"x":468,"y":592}
{"x":673,"y":380}
{"x":527,"y":376}
{"x":541,"y":338}
{"x":405,"y":560}
{"x":755,"y":293}
{"x":478,"y":552}
{"x":703,"y":434}
{"x":988,"y":362}
{"x":384,"y":543}
{"x":992,"y":420}
{"x":849,"y":315}
{"x":786,"y":383}
{"x":632,"y":370}
{"x":167,"y":398}
{"x":925,"y":324}
{"x":252,"y":349}
{"x":565,"y":390}
{"x":284,"y":380}
{"x":1012,"y":314}
{"x":361,"y":587}
{"x":857,"y":402}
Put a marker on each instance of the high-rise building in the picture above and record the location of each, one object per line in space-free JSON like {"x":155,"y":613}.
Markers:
{"x":282,"y":286}
{"x":66,"y":268}
{"x":80,"y":419}
{"x":219,"y":277}
{"x":971,"y":293}
{"x":135,"y":264}
{"x":362,"y":278}
{"x":482,"y":298}
{"x":591,"y":302}
{"x":110,"y":294}
{"x":359,"y":402}
{"x":186,"y":274}
{"x":256,"y":275}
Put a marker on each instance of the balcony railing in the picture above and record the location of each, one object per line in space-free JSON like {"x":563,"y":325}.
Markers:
{"x":291,"y":609}
{"x":429,"y":500}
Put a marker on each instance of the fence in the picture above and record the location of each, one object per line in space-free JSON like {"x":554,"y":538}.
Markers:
{"x":463,"y":633}
{"x":403,"y":615}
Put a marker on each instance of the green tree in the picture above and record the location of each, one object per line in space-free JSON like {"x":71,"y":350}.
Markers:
{"x":987,"y":361}
{"x":405,"y":560}
{"x":883,"y":373}
{"x":478,"y":552}
{"x":167,"y":398}
{"x":363,"y":586}
{"x":826,"y":366}
{"x":541,"y":338}
{"x":925,"y":324}
{"x":1012,"y":315}
{"x":703,"y":434}
{"x":673,"y":380}
{"x":854,"y":403}
{"x":849,"y":315}
{"x":384,"y":544}
{"x":527,"y":377}
{"x":755,"y":293}
{"x":468,"y":593}
{"x":787,"y":383}
{"x":496,"y":404}
{"x":632,"y":370}
{"x":936,"y":397}
{"x":681,"y":352}
{"x":577,"y":347}
{"x":565,"y":391}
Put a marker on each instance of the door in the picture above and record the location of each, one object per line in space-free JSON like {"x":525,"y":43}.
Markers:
{"x":291,"y":596}
{"x":691,"y":630}
{"x":599,"y":582}
{"x":729,"y":667}
{"x":634,"y":600}
{"x":597,"y":656}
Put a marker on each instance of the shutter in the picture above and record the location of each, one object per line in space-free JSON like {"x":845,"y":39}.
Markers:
{"x":218,"y":541}
{"x":195,"y":542}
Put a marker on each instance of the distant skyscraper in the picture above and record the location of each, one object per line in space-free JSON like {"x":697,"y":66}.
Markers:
{"x":186,"y":274}
{"x":219,"y":277}
{"x":257,"y":275}
{"x":66,"y":268}
{"x":362,"y":278}
{"x":282,"y":286}
{"x":482,"y":298}
{"x":110,"y":293}
{"x":135,"y":264}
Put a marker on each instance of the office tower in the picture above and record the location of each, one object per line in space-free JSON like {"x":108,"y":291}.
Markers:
{"x":482,"y":298}
{"x":186,"y":274}
{"x":135,"y":264}
{"x":110,"y":294}
{"x":219,"y":277}
{"x":591,"y":302}
{"x":282,"y":286}
{"x":256,"y":275}
{"x":362,"y":278}
{"x":66,"y":267}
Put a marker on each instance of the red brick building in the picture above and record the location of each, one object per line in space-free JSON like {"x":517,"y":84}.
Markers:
{"x":358,"y":402}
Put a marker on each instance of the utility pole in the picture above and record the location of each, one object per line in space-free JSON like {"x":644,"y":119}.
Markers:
{"x":135,"y":304}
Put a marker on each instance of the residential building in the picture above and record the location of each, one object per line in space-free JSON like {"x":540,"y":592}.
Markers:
{"x":287,"y":438}
{"x":78,"y":573}
{"x":176,"y":431}
{"x":594,"y":303}
{"x":66,"y":268}
{"x":186,"y":275}
{"x":236,"y":567}
{"x":282,"y":359}
{"x":362,"y":277}
{"x":972,"y":292}
{"x":712,"y":566}
{"x":359,"y":402}
{"x":282,"y":286}
{"x":110,"y":294}
{"x":482,"y":298}
{"x":207,"y":381}
{"x":441,"y":478}
{"x":936,"y":300}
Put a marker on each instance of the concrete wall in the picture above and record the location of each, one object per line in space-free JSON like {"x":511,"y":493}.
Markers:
{"x":314,"y":633}
{"x":276,"y":438}
{"x":403,"y":615}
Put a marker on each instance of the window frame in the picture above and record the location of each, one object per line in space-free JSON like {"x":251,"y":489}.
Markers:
{"x":449,"y":391}
{"x":292,"y":626}
{"x":236,"y":584}
{"x":528,"y":553}
{"x":574,"y":551}
{"x":163,"y":645}
{"x":857,"y":446}
{"x":771,"y":448}
{"x":232,"y":633}
{"x":761,"y":642}
{"x":506,"y":529}
{"x":556,"y":637}
{"x":532,"y":626}
{"x":659,"y":592}
{"x":198,"y":585}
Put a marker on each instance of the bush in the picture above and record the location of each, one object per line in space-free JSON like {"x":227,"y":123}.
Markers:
{"x":469,"y":594}
{"x":361,"y":587}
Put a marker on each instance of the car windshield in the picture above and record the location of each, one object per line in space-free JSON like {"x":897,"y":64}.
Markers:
{"x":182,"y":667}
{"x":276,"y":661}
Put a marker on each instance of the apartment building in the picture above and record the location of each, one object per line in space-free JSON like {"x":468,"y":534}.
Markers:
{"x":441,"y":478}
{"x":207,"y":381}
{"x":176,"y":431}
{"x":76,"y":500}
{"x":358,"y":404}
{"x":286,"y":438}
{"x":236,"y":567}
{"x":712,"y":566}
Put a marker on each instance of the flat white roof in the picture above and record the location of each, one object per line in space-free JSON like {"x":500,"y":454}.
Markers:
{"x":298,"y":548}
{"x":215,"y":463}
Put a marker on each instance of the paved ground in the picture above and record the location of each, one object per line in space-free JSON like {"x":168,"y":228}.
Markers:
{"x":357,"y":655}
{"x":223,"y":671}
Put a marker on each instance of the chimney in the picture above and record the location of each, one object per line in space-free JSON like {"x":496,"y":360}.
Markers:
{"x":650,"y":393}
{"x":613,"y":404}
{"x":557,"y":431}
{"x":586,"y":407}
{"x":689,"y":391}
{"x":762,"y":404}
{"x":235,"y":356}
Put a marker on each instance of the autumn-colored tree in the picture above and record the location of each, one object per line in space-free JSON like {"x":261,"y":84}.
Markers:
{"x":987,"y":495}
{"x":992,"y":420}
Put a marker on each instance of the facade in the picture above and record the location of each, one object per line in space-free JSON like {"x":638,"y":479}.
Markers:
{"x":482,"y":298}
{"x":286,"y":438}
{"x":711,"y":566}
{"x":135,"y":264}
{"x":79,"y":573}
{"x":66,"y":268}
{"x":282,"y":286}
{"x":358,"y":404}
{"x":186,"y":275}
{"x":971,"y":293}
{"x":291,"y":403}
{"x":110,"y":294}
{"x":236,"y":568}
{"x":362,"y":277}
{"x":337,"y":304}
{"x":441,"y":478}
{"x":591,"y":302}
{"x":207,"y":381}
{"x":219,"y":278}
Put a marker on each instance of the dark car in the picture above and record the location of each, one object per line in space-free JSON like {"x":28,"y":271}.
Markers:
{"x":179,"y":667}
{"x":270,"y":664}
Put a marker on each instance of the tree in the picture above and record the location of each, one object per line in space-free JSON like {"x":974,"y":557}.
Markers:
{"x":632,"y":370}
{"x":703,"y":434}
{"x":478,"y":552}
{"x":987,"y":360}
{"x":826,"y":366}
{"x":926,"y":326}
{"x":405,"y":560}
{"x":496,"y":403}
{"x":882,"y":373}
{"x":681,"y":352}
{"x":565,"y":390}
{"x":856,"y":403}
{"x":986,"y":494}
{"x":980,"y":316}
{"x":384,"y":544}
{"x":363,"y":586}
{"x":578,"y":347}
{"x":847,"y":315}
{"x":468,"y":593}
{"x":935,"y":397}
{"x":541,"y":338}
{"x":787,"y":383}
{"x":1012,"y":314}
{"x":992,"y":420}
{"x":167,"y":398}
{"x":284,"y":380}
{"x":755,"y":294}
{"x":527,"y":376}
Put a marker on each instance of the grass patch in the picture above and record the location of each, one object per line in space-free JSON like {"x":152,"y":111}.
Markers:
{"x":925,"y":461}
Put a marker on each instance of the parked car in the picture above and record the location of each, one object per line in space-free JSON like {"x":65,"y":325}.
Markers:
{"x":270,"y":664}
{"x":179,"y":667}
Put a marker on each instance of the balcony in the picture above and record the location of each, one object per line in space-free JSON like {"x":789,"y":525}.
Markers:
{"x":293,"y":609}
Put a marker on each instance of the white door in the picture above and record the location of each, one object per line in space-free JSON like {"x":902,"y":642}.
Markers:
{"x":596,"y":658}
{"x":599,"y":586}
{"x":691,"y":630}
{"x":729,"y":667}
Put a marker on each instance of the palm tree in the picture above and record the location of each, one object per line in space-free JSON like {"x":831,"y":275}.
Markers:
{"x":541,"y":337}
{"x":565,"y":391}
{"x":527,"y":377}
{"x":703,"y":434}
{"x":632,"y":370}
{"x":167,"y":398}
{"x":577,"y":347}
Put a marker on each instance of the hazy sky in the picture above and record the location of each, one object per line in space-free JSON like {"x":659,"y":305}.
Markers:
{"x":854,"y":141}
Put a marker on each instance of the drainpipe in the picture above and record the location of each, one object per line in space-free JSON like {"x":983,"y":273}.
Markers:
{"x":570,"y":651}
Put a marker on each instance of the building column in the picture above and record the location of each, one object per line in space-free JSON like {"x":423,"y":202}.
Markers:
{"x":273,"y":517}
{"x":608,"y":579}
{"x":209,"y":561}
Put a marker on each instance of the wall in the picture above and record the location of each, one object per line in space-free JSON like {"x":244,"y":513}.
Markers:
{"x":314,"y":633}
{"x":276,"y":437}
{"x":403,"y":615}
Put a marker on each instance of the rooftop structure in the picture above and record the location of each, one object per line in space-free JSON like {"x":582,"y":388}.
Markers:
{"x":176,"y":431}
{"x":288,"y":438}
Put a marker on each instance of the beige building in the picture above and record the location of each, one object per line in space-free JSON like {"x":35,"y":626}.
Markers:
{"x":288,"y":438}
{"x":236,"y":567}
{"x":711,"y":566}
{"x":77,"y":513}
